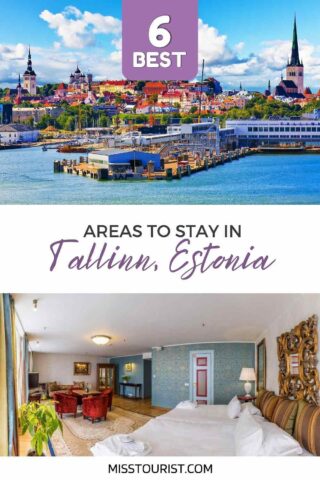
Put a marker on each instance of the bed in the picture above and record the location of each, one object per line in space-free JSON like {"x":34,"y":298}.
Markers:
{"x":202,"y":431}
{"x":205,"y":430}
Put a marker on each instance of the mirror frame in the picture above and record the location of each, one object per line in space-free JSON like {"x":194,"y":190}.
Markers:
{"x":302,"y":341}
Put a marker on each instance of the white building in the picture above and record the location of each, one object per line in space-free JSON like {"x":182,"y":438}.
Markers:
{"x":275,"y":131}
{"x":16,"y":133}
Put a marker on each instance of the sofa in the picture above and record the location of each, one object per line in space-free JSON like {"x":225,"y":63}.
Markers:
{"x":54,"y":387}
{"x":297,"y":417}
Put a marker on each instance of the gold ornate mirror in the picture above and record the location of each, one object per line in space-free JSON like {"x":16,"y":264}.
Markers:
{"x":297,"y":354}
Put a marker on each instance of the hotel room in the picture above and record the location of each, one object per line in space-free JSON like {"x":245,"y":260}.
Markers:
{"x":160,"y":375}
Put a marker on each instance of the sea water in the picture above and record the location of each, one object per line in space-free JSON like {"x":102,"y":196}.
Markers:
{"x":27,"y":177}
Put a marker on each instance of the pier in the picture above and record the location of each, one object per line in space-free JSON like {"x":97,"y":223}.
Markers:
{"x":174,"y":167}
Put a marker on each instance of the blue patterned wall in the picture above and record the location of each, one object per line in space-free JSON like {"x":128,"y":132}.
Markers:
{"x":170,"y":371}
{"x":136,"y":376}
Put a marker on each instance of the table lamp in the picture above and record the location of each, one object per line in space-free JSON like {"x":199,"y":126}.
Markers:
{"x":247,"y":375}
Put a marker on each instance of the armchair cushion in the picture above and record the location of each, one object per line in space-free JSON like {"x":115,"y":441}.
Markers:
{"x":95,"y":407}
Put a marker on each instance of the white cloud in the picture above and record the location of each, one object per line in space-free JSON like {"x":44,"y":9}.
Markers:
{"x":213,"y":47}
{"x":78,"y":29}
{"x":55,"y":65}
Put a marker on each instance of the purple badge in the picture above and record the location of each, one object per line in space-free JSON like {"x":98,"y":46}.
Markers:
{"x":160,"y":39}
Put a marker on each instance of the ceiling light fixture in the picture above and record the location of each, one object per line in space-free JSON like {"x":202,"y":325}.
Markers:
{"x":101,"y":339}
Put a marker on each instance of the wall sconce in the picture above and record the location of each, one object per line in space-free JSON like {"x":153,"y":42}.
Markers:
{"x":35,"y":304}
{"x":128,"y":367}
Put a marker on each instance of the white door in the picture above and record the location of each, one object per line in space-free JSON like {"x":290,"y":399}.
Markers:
{"x":201,"y":369}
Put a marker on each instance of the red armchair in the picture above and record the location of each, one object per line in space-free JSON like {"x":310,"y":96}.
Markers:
{"x":109,"y":393}
{"x":95,"y":408}
{"x":65,"y":404}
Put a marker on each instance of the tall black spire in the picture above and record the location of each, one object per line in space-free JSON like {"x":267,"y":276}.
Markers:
{"x":295,"y":59}
{"x":29,"y":70}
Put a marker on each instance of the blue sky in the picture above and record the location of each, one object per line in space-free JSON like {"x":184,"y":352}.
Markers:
{"x":245,"y":41}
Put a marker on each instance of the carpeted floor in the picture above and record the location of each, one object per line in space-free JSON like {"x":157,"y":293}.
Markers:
{"x":79,"y":434}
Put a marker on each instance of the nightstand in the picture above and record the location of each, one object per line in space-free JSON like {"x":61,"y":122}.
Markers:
{"x":245,"y":399}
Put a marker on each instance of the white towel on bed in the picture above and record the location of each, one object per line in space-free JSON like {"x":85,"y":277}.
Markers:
{"x":121,"y":445}
{"x":187,"y":404}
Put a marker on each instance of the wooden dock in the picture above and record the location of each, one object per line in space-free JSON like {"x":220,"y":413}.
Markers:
{"x":174,"y":167}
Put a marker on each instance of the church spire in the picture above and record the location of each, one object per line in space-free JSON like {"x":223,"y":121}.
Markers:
{"x":295,"y":59}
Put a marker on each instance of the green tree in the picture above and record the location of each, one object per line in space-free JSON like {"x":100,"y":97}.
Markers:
{"x":140,"y":85}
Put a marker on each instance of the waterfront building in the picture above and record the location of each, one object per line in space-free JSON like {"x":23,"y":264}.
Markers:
{"x":30,"y":77}
{"x":127,"y":159}
{"x":16,"y":133}
{"x":278,"y":131}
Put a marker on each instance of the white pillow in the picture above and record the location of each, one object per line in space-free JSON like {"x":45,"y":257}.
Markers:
{"x":277,"y":442}
{"x":251,"y":409}
{"x":248,"y":436}
{"x":234,"y":408}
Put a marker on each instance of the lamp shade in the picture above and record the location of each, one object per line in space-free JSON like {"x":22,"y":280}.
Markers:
{"x":248,"y":375}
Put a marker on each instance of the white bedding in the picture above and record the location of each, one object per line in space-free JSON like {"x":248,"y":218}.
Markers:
{"x":203,"y":431}
{"x":202,"y":414}
{"x":174,"y":438}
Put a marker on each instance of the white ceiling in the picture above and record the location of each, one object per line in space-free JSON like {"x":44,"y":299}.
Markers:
{"x":136,"y":323}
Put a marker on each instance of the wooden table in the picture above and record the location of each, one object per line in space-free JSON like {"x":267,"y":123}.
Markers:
{"x":84,"y":393}
{"x":137,"y":389}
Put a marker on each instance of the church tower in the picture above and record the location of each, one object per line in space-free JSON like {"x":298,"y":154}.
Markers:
{"x":30,"y":77}
{"x":295,"y":68}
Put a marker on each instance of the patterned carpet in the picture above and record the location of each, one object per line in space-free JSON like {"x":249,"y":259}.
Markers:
{"x":79,"y":434}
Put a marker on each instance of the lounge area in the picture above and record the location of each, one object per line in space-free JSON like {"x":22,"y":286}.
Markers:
{"x":160,"y":375}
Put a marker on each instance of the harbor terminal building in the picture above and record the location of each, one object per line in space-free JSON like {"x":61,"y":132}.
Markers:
{"x":254,"y":133}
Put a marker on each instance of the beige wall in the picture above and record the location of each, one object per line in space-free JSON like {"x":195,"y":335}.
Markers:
{"x":300,"y":308}
{"x":59,"y":367}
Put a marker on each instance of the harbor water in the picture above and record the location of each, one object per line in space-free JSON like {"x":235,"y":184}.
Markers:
{"x":26,"y":177}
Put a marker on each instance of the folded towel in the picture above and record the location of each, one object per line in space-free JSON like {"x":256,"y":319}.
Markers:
{"x":187,"y":405}
{"x":121,"y":445}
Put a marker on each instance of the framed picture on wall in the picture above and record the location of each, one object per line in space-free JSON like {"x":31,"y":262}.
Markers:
{"x":81,"y":368}
{"x":261,"y":365}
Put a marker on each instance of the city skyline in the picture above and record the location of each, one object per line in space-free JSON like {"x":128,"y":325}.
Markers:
{"x":62,"y":36}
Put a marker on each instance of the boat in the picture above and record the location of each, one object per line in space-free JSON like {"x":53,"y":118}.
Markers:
{"x":282,"y":148}
{"x":44,"y":148}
